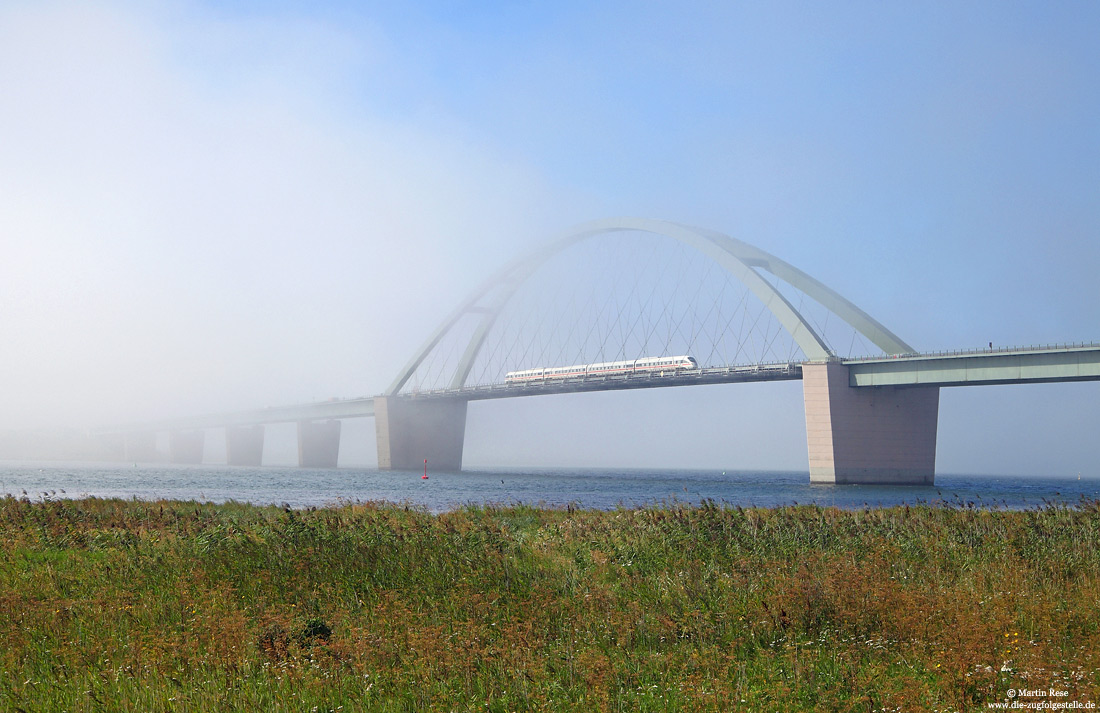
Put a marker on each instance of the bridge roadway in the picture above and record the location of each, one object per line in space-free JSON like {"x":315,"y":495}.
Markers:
{"x":363,"y":406}
{"x":1020,"y":365}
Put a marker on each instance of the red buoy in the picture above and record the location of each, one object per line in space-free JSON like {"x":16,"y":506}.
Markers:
{"x":425,"y":476}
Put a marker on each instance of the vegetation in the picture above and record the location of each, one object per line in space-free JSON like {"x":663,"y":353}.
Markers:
{"x":112,"y":605}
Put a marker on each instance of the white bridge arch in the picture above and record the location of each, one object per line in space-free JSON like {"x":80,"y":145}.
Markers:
{"x":738,"y":258}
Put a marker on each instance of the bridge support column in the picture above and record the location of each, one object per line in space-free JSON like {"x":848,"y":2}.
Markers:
{"x":186,"y":446}
{"x":244,"y":445}
{"x":111,"y":447}
{"x":141,"y":446}
{"x":410,"y":430}
{"x":870,"y":435}
{"x":318,"y":443}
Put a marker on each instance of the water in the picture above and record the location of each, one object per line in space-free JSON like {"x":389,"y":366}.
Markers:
{"x":588,"y":488}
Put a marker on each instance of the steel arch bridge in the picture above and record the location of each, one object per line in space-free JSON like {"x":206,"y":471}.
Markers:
{"x":745,"y":263}
{"x":868,"y":420}
{"x":429,"y":425}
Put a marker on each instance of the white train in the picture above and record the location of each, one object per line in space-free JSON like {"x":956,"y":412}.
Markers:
{"x":634,"y":366}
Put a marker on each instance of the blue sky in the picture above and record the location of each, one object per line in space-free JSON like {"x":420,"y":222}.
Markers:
{"x":219,"y":205}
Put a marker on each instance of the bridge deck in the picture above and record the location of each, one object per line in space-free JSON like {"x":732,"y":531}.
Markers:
{"x":617,"y":382}
{"x":1006,"y":366}
{"x":334,"y":408}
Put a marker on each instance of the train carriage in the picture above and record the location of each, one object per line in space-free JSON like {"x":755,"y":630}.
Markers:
{"x":607,"y":368}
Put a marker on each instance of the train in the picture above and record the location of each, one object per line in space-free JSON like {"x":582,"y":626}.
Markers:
{"x":608,"y":368}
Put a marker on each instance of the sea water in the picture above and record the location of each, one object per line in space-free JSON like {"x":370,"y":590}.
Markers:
{"x":599,"y":488}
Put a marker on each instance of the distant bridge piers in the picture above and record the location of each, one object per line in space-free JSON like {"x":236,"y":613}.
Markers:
{"x":882,"y":435}
{"x":869,"y":420}
{"x":109,"y":446}
{"x":186,"y":446}
{"x":244,"y":445}
{"x":318,"y":443}
{"x":411,"y":430}
{"x":140,"y":446}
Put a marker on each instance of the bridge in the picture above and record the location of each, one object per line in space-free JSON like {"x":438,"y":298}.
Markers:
{"x":748,"y":315}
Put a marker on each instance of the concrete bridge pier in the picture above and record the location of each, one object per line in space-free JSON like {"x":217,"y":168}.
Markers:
{"x":869,"y":435}
{"x":140,"y":446}
{"x":111,"y":446}
{"x":186,"y":446}
{"x":412,"y":430}
{"x":244,"y":445}
{"x":318,"y":443}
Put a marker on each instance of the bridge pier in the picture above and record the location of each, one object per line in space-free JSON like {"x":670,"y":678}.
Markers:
{"x":412,"y":430}
{"x":141,"y":446}
{"x":244,"y":445}
{"x":318,"y":443}
{"x":186,"y":446}
{"x":868,"y":435}
{"x":111,"y":446}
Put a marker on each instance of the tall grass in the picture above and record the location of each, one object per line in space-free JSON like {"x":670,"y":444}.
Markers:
{"x":177,"y":606}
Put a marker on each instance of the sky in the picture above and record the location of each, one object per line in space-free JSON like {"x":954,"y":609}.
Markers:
{"x":209,"y":206}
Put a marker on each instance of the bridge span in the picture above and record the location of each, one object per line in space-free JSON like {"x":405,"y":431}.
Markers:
{"x":1022,"y":365}
{"x":868,"y":420}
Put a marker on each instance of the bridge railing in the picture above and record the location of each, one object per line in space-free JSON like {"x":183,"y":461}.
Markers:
{"x":680,"y":376}
{"x":970,"y":352}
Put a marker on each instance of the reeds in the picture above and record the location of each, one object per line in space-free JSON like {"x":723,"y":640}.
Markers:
{"x":164,"y":606}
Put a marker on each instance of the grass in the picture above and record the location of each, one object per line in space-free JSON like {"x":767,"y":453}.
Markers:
{"x":113,"y":605}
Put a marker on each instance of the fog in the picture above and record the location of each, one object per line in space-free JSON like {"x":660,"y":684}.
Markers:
{"x":177,"y":239}
{"x":218,"y":207}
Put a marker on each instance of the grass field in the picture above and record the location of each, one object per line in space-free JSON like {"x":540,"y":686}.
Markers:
{"x":110,"y":605}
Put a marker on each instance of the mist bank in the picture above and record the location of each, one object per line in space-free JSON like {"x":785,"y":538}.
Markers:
{"x":53,"y":444}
